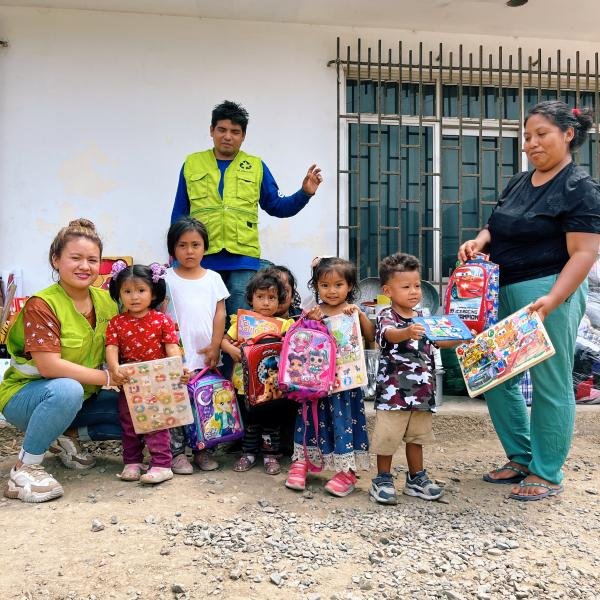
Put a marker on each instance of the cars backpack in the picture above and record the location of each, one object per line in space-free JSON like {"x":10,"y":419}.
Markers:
{"x":214,"y":406}
{"x":472,"y":293}
{"x":307,"y":371}
{"x":260,"y":367}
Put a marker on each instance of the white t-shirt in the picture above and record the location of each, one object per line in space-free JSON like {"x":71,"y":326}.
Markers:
{"x":195,"y":302}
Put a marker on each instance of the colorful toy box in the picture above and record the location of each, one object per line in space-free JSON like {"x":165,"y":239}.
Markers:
{"x":155,"y":395}
{"x":504,"y":350}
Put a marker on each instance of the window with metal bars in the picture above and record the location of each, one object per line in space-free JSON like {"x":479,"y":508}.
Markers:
{"x":426,"y":144}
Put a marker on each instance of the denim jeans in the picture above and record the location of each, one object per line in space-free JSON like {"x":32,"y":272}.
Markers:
{"x":236,"y":283}
{"x":46,"y":408}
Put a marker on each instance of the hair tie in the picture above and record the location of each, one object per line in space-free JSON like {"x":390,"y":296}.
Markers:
{"x":158,"y":272}
{"x":317,"y":259}
{"x":576,"y":112}
{"x":117,"y":267}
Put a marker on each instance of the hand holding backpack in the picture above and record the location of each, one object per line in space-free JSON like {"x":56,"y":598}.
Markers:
{"x":307,"y":370}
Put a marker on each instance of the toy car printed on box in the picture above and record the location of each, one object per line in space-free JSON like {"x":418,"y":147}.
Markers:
{"x":504,"y":350}
{"x":441,"y":328}
{"x":472,"y":294}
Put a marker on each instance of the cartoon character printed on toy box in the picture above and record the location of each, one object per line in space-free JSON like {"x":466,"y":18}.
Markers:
{"x":216,"y":414}
{"x":351,"y":368}
{"x":504,"y":350}
{"x":472,"y":293}
{"x":155,"y":395}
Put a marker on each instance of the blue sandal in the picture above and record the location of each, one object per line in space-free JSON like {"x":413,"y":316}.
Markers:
{"x":517,"y":478}
{"x":550,"y":491}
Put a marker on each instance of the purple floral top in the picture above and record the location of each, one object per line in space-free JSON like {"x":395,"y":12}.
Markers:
{"x":405,"y":379}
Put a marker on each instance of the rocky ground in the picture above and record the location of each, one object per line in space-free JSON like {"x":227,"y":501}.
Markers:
{"x":230,"y":535}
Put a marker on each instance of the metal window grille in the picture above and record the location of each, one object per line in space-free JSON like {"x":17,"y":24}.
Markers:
{"x":428,"y":139}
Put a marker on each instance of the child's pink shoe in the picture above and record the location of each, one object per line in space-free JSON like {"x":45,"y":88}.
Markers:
{"x":296,"y":479}
{"x":131,"y":472}
{"x":156,"y":475}
{"x":341,"y":484}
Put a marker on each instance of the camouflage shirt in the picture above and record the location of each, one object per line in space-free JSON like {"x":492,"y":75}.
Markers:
{"x":405,"y":378}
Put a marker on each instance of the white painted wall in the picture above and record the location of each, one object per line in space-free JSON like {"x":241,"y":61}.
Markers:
{"x":98,"y":111}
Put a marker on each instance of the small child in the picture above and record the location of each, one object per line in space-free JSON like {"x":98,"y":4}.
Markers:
{"x":342,"y":437}
{"x":140,"y":333}
{"x":290,"y":307}
{"x":405,"y":393}
{"x":264,"y":294}
{"x":198,"y":295}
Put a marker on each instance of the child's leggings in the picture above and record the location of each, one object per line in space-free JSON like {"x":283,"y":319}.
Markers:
{"x":262,"y":428}
{"x":158,"y":442}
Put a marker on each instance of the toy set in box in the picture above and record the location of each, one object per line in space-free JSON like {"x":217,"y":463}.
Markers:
{"x":214,"y":406}
{"x":472,"y":293}
{"x":504,"y":350}
{"x":155,"y":395}
{"x":350,"y":365}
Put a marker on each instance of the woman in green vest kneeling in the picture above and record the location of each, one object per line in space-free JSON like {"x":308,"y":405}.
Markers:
{"x":52,"y":391}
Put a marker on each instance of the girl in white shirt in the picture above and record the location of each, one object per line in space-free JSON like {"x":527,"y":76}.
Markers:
{"x":198,"y":298}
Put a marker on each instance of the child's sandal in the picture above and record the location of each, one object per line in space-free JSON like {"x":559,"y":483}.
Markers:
{"x":272,"y":466}
{"x":244,"y":463}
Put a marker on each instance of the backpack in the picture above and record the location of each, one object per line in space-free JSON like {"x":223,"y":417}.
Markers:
{"x":214,"y":406}
{"x":260,"y":366}
{"x":472,"y":293}
{"x":307,"y":370}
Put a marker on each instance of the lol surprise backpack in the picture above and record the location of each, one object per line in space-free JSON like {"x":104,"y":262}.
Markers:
{"x":214,"y":406}
{"x":260,"y":367}
{"x":307,"y":370}
{"x":472,"y":293}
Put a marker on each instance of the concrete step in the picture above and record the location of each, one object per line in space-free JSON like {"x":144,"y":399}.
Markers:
{"x":461,"y":415}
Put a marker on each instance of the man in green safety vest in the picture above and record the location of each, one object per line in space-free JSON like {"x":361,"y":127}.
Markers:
{"x":223,"y":187}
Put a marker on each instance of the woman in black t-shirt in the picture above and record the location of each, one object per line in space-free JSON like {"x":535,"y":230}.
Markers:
{"x":544,"y":234}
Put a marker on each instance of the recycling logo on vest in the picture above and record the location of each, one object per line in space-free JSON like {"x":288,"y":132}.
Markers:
{"x":245,"y":165}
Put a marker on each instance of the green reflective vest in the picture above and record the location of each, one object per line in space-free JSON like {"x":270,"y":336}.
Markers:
{"x":231,"y":221}
{"x":79,"y":343}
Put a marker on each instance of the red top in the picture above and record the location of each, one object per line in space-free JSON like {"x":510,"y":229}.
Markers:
{"x":140,"y":339}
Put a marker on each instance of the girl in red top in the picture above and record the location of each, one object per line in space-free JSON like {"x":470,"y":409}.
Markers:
{"x":138,"y":334}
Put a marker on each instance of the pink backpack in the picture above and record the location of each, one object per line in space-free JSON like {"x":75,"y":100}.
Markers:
{"x":307,"y":370}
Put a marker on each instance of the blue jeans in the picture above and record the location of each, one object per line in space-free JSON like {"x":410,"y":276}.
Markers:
{"x":236,"y":282}
{"x":46,"y":408}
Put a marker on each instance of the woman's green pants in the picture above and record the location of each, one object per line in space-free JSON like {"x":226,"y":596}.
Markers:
{"x":541,"y":441}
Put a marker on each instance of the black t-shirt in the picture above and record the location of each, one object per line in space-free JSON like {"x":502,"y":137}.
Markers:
{"x":529,"y":224}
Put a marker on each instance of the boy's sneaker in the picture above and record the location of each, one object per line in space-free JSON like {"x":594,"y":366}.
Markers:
{"x":31,"y":483}
{"x":422,"y":487}
{"x":70,"y":453}
{"x":156,"y":475}
{"x":181,"y":465}
{"x":383,"y":490}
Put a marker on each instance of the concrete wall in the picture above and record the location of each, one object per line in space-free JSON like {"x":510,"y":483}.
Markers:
{"x":98,"y":111}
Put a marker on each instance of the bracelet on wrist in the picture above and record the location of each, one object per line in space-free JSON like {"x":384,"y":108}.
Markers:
{"x":107,"y":377}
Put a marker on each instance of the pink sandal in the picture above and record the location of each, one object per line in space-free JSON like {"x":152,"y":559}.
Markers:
{"x":296,"y":479}
{"x":341,"y":484}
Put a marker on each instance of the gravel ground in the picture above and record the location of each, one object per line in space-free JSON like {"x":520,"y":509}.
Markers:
{"x":232,"y":535}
